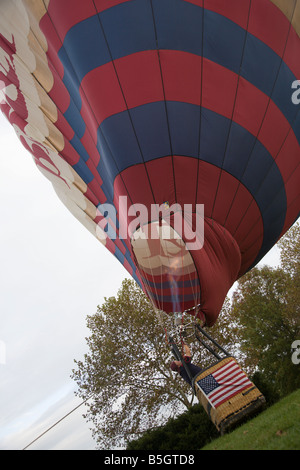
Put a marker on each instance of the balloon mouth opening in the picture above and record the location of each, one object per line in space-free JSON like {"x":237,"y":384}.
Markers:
{"x":167,"y":269}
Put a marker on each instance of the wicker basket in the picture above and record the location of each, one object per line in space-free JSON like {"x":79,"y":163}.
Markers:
{"x":236,"y":403}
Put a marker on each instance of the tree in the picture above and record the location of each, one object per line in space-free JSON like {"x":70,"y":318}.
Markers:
{"x":190,"y":431}
{"x":289,"y":247}
{"x":266,"y":311}
{"x":126,"y":371}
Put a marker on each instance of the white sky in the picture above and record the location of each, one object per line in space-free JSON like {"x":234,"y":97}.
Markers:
{"x":53,"y":274}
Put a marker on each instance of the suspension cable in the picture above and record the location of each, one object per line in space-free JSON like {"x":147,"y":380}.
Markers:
{"x":57,"y":422}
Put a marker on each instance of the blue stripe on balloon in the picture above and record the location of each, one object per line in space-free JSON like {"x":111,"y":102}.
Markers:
{"x":73,"y":117}
{"x":168,"y":285}
{"x":129,"y":28}
{"x":178,"y":299}
{"x":241,"y":155}
{"x":83,"y":171}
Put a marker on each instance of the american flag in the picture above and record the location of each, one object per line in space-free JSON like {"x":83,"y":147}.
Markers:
{"x":224,"y":383}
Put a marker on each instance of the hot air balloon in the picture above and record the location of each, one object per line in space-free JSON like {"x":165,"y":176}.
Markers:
{"x":164,"y":104}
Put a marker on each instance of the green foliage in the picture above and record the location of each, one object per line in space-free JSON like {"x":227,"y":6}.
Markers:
{"x":224,"y":333}
{"x":265,"y":310}
{"x":277,"y":428}
{"x":127,"y":368}
{"x":190,"y":431}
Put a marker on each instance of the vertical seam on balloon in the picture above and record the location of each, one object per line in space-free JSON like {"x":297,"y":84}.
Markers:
{"x":257,"y":221}
{"x":88,"y":102}
{"x":263,"y":119}
{"x":197,"y":295}
{"x":146,"y":282}
{"x":165,"y":103}
{"x":285,"y":182}
{"x":197,"y":291}
{"x":233,"y":110}
{"x":259,"y":257}
{"x":71,"y":98}
{"x":260,"y":127}
{"x":125,"y":101}
{"x":200,"y":110}
{"x":90,"y":109}
{"x":164,"y":95}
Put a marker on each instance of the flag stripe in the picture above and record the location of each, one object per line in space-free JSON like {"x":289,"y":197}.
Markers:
{"x":223,"y":372}
{"x":229,"y":395}
{"x":224,"y":383}
{"x":229,"y":385}
{"x":226,"y":391}
{"x":230,"y":378}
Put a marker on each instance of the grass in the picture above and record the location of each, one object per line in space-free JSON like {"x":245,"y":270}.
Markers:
{"x":276,"y":428}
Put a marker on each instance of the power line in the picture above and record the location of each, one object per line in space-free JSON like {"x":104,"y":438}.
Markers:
{"x":70,"y":412}
{"x":57,"y":422}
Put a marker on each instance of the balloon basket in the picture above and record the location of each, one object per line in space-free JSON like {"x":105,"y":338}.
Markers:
{"x":227,"y":394}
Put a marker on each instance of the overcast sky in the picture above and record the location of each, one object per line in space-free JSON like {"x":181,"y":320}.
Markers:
{"x":53,"y":274}
{"x":46,"y":292}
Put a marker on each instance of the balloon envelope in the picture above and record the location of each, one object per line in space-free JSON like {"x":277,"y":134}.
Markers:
{"x":151,"y":103}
